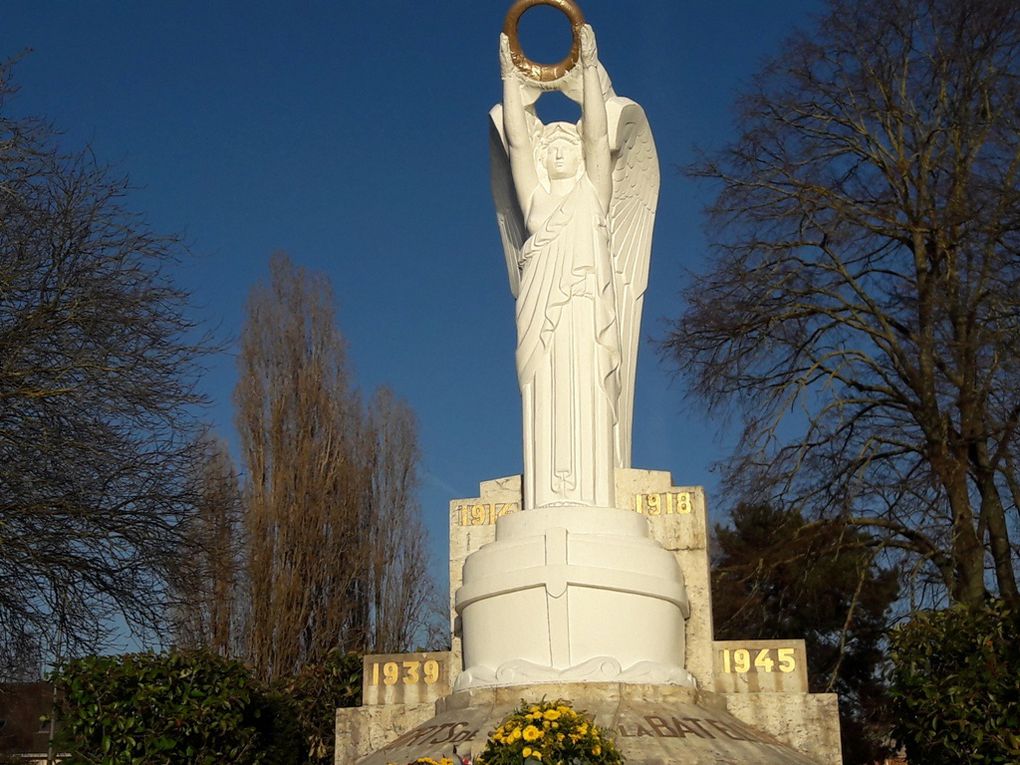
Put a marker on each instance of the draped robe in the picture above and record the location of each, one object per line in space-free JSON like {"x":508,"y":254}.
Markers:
{"x":568,"y":355}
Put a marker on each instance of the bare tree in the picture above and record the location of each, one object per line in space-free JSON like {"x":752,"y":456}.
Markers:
{"x":206,"y":613}
{"x":401,"y":591}
{"x":863,"y":311}
{"x":97,"y":371}
{"x":328,"y":486}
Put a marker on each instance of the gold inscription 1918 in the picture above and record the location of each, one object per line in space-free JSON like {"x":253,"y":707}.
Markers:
{"x":485,"y":514}
{"x":665,"y":503}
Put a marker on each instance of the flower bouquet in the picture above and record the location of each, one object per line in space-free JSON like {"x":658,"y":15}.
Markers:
{"x":551,"y":733}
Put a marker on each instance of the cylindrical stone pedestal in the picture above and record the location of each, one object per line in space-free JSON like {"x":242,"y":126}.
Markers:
{"x":572,"y":594}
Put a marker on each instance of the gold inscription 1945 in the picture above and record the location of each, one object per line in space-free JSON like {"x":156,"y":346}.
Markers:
{"x":739,"y":660}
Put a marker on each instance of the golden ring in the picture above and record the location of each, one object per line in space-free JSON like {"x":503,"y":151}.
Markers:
{"x":533,"y":70}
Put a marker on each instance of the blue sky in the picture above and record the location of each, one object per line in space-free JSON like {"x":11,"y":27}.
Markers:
{"x":353,"y":136}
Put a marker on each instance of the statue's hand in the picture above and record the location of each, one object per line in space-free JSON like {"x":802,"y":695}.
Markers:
{"x":589,"y":49}
{"x":506,"y":63}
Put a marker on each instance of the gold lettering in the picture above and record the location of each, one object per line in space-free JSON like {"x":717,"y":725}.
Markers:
{"x":683,"y":503}
{"x":762,"y":660}
{"x":655,"y":504}
{"x":411,"y":675}
{"x":484,"y":514}
{"x":431,"y":670}
{"x":742,"y":660}
{"x":787,"y":662}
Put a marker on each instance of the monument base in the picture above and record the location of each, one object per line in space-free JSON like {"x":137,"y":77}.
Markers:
{"x":652,"y":725}
{"x":572,"y":594}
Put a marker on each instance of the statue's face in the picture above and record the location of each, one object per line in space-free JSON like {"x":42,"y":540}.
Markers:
{"x":562,"y":159}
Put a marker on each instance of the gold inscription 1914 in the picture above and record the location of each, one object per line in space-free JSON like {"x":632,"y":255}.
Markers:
{"x":484,"y":514}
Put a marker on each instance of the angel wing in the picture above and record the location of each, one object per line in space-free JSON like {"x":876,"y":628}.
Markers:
{"x":508,"y":209}
{"x":631,"y":216}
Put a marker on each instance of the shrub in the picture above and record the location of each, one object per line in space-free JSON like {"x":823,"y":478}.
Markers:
{"x":191,"y":708}
{"x":316,"y":693}
{"x":956,"y":686}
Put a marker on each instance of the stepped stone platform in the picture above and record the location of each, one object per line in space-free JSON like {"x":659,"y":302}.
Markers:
{"x":750,"y":704}
{"x":652,"y":724}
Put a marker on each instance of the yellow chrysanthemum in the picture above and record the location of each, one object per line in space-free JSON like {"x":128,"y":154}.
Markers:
{"x":526,"y":751}
{"x":596,"y":750}
{"x":537,"y":755}
{"x":551,"y":714}
{"x":531,"y":733}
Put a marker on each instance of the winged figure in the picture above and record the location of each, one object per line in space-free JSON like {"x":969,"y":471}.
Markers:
{"x":575,"y":206}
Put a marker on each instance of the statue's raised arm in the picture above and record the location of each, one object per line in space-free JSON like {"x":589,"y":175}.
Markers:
{"x":575,"y":206}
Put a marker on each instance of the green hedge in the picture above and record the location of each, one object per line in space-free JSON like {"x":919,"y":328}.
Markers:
{"x":171,"y":709}
{"x":197,"y":708}
{"x":956,"y":686}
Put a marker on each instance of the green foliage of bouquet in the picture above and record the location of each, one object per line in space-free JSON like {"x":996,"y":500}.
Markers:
{"x":552,"y":733}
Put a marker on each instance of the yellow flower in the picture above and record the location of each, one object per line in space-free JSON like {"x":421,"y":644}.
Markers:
{"x":526,"y":751}
{"x":596,"y":750}
{"x":551,"y":714}
{"x":537,"y":755}
{"x":531,"y":733}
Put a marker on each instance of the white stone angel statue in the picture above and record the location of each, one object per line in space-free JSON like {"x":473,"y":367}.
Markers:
{"x":575,"y":206}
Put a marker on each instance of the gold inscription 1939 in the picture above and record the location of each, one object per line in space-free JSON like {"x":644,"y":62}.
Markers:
{"x":405,"y":672}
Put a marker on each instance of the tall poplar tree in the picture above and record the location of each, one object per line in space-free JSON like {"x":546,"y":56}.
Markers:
{"x":335,"y":546}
